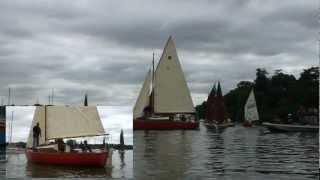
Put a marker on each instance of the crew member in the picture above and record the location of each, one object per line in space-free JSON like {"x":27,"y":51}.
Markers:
{"x":36,"y":134}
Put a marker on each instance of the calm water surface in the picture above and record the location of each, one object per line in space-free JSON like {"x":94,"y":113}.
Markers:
{"x":235,"y":153}
{"x":17,"y":167}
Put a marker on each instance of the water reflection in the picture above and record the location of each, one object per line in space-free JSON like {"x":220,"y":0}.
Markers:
{"x":235,"y":153}
{"x":18,"y":167}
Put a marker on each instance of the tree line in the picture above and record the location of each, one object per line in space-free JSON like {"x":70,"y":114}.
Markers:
{"x":277,"y":95}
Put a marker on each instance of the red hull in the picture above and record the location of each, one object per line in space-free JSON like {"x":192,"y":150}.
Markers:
{"x":139,"y":124}
{"x":247,"y":124}
{"x":97,"y":159}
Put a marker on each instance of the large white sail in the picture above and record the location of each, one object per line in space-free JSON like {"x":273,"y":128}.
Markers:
{"x":143,"y":98}
{"x":66,"y":122}
{"x":250,"y":108}
{"x":172,"y":94}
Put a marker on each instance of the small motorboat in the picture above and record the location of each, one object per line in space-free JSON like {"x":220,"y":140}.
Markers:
{"x":291,"y":127}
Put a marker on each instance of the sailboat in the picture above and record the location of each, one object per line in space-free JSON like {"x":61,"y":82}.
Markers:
{"x":216,"y":114}
{"x":164,"y":102}
{"x":250,"y":110}
{"x":58,"y":122}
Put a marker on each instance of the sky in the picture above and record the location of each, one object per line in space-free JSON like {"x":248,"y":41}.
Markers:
{"x":113,"y":118}
{"x":105,"y":48}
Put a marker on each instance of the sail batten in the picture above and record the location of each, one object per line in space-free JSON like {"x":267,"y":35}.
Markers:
{"x":171,"y":93}
{"x":250,"y":108}
{"x":143,"y":98}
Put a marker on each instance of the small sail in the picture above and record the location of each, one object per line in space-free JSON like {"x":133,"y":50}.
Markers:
{"x":171,"y":93}
{"x":66,"y":122}
{"x":210,"y":103}
{"x":250,"y":108}
{"x":143,"y":98}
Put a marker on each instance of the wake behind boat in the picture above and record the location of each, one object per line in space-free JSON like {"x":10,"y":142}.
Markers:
{"x":164,"y":102}
{"x":58,"y":122}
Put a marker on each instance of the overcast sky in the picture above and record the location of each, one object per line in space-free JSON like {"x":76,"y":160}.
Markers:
{"x":105,"y":47}
{"x":114,"y":118}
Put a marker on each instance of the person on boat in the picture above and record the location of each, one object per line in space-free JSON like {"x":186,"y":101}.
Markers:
{"x":183,"y":117}
{"x":86,"y":146}
{"x":61,"y":145}
{"x":36,"y":133}
{"x":82,"y":147}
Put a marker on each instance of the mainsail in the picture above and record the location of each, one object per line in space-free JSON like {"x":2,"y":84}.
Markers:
{"x":250,"y":108}
{"x":66,"y":122}
{"x":210,"y":104}
{"x":171,"y":93}
{"x":143,"y":98}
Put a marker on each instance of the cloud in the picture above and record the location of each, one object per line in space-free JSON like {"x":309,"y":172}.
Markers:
{"x":105,"y":47}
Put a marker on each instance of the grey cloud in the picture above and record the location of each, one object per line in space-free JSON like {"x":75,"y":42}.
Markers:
{"x":105,"y":48}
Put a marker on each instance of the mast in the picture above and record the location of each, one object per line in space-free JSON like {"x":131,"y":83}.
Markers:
{"x":11,"y":126}
{"x":152,"y":85}
{"x":45,"y":123}
{"x":9,"y":98}
{"x":52,"y":97}
{"x":85,"y":100}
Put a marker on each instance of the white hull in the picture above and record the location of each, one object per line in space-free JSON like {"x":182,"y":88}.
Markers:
{"x":291,"y":127}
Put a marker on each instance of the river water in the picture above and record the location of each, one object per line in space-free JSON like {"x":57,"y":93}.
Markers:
{"x":18,"y":167}
{"x":235,"y":153}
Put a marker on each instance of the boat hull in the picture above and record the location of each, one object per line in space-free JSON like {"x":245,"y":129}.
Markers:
{"x":218,"y":126}
{"x":290,"y":128}
{"x":96,"y":159}
{"x":140,"y":124}
{"x":247,"y":124}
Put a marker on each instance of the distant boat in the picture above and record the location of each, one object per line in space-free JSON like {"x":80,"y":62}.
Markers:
{"x":274,"y":127}
{"x":2,"y":125}
{"x":250,"y":110}
{"x":216,"y":114}
{"x":58,"y":122}
{"x":164,"y":102}
{"x":121,"y":141}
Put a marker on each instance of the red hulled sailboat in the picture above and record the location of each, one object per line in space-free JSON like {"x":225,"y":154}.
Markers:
{"x":216,"y":114}
{"x":164,"y":101}
{"x":58,"y":122}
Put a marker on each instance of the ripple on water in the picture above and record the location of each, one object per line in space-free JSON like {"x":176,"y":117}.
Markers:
{"x":235,"y":153}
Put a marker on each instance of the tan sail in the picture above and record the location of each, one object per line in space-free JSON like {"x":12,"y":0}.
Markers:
{"x":143,"y":98}
{"x":66,"y":122}
{"x":172,"y":94}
